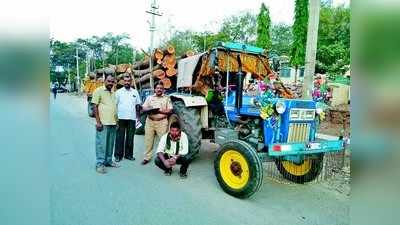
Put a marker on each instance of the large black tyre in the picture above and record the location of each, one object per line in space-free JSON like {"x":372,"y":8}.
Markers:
{"x":301,"y":173}
{"x":238,"y":169}
{"x":189,"y":119}
{"x":140,"y":130}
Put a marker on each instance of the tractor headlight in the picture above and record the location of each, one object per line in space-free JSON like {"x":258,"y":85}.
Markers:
{"x":280,"y":107}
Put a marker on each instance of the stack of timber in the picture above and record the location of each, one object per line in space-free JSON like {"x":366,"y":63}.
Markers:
{"x":164,"y":68}
{"x":164,"y":62}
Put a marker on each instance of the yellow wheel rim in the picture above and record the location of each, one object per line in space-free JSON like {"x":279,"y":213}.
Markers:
{"x":297,"y":170}
{"x":234,"y":169}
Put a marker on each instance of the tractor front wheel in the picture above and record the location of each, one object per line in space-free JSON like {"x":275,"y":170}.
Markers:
{"x":238,"y":169}
{"x":303,"y":172}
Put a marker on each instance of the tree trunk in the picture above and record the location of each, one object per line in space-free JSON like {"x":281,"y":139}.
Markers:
{"x":158,"y":54}
{"x":171,"y":72}
{"x":166,"y":83}
{"x":146,"y":77}
{"x":170,"y":61}
{"x":159,"y":73}
{"x":189,"y":53}
{"x":140,"y":64}
{"x":145,"y":71}
{"x":171,"y":49}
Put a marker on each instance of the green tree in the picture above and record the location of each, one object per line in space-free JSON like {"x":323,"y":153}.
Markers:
{"x":298,"y":51}
{"x":103,"y":50}
{"x":281,"y":38}
{"x":239,"y":28}
{"x":207,"y":40}
{"x":263,"y":28}
{"x":182,"y":41}
{"x":333,"y":52}
{"x":61,"y":54}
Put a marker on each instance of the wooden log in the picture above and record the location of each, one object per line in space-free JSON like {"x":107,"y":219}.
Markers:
{"x":166,"y":83}
{"x":171,"y":72}
{"x":189,"y":53}
{"x":121,"y":76}
{"x":158,"y":54}
{"x":170,"y":61}
{"x":145,"y":78}
{"x":99,"y":71}
{"x":159,"y":73}
{"x":171,"y":49}
{"x":109,"y":70}
{"x":140,"y":64}
{"x":145,"y":71}
{"x":122,"y":68}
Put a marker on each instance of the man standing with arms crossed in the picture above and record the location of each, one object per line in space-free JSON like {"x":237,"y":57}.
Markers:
{"x":128,"y":103}
{"x":106,"y":120}
{"x":157,"y":121}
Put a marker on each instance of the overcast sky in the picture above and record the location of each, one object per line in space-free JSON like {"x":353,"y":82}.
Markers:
{"x":72,"y":19}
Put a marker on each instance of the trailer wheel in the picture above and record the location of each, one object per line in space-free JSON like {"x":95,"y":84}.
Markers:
{"x":238,"y":169}
{"x":189,"y":119}
{"x":303,"y":172}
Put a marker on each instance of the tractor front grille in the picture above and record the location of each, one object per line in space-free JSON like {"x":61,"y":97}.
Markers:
{"x":299,"y":132}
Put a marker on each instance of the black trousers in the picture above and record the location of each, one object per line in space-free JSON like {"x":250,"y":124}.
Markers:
{"x":125,"y":138}
{"x":182,"y":160}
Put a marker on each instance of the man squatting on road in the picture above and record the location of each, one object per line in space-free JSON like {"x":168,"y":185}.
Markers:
{"x":173,"y":149}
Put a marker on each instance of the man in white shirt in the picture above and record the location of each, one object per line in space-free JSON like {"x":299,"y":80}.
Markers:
{"x":172,"y":149}
{"x":128,"y":103}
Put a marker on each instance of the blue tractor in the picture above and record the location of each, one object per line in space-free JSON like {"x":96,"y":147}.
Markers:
{"x":212,"y":101}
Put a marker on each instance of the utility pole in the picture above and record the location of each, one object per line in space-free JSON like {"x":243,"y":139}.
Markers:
{"x":311,"y":47}
{"x":87,"y":63}
{"x":69,"y":79}
{"x":78,"y":81}
{"x":154,"y":12}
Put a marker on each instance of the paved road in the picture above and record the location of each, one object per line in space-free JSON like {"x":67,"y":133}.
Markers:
{"x":142,"y":195}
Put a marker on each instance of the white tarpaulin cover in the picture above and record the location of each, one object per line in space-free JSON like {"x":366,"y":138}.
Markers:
{"x":186,"y":68}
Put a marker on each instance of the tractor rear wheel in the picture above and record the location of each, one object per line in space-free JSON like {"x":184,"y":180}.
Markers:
{"x":303,"y":172}
{"x":189,"y":119}
{"x":238,"y":169}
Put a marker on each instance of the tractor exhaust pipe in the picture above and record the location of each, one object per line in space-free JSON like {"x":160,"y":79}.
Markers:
{"x":239,"y":85}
